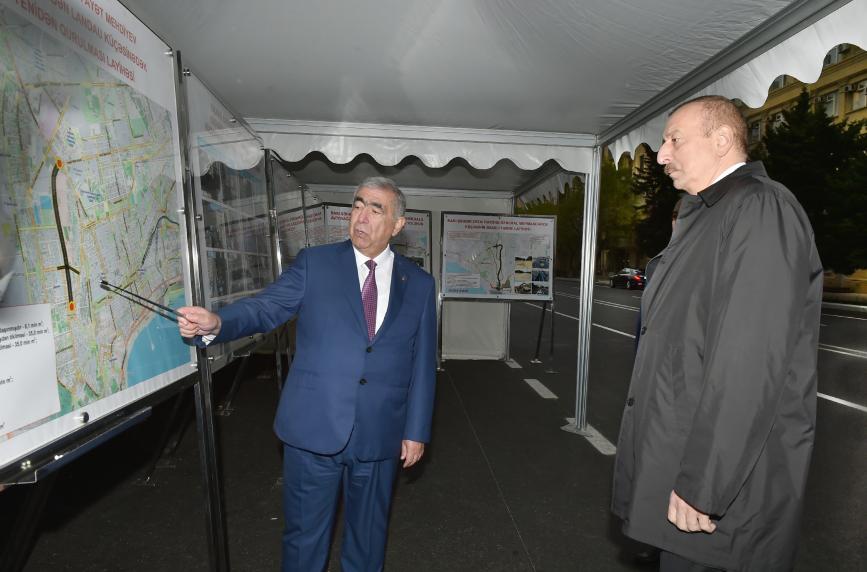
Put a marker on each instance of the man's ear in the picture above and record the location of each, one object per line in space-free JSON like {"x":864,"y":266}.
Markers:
{"x":398,"y":226}
{"x":723,"y":140}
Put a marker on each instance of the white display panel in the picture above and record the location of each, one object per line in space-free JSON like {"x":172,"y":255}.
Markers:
{"x":90,"y":169}
{"x":497,"y":257}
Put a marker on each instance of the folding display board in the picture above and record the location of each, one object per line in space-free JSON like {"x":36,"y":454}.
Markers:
{"x":497,"y":257}
{"x":90,"y":176}
{"x":228,"y":168}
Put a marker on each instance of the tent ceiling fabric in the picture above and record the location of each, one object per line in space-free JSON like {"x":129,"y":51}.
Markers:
{"x":412,"y":173}
{"x":799,"y":56}
{"x":434,"y":146}
{"x":555,"y":66}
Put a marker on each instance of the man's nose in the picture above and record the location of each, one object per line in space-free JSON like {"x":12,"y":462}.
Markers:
{"x":663,"y":156}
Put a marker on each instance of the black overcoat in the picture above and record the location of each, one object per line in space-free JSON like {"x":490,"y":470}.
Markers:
{"x":722,"y":402}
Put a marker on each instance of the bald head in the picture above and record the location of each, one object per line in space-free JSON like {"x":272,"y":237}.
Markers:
{"x":717,"y":111}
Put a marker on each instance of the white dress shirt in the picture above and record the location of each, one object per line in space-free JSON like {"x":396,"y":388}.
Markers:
{"x":384,"y":265}
{"x":728,"y":172}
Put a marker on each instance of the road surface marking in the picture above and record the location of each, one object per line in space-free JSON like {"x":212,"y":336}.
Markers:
{"x":603,"y":302}
{"x":842,"y":316}
{"x":843,"y":402}
{"x":513,"y":364}
{"x":628,"y":335}
{"x":844,"y":351}
{"x":539,"y":388}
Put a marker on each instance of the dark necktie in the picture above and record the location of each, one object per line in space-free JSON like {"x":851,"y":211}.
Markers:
{"x":368,"y":299}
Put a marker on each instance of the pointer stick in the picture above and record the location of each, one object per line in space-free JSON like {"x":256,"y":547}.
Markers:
{"x":105,"y":285}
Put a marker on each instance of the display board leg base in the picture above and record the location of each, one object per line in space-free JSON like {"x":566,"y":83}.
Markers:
{"x":225,"y":411}
{"x":440,"y":369}
{"x":551,"y":370}
{"x":535,"y":360}
{"x":594,"y":437}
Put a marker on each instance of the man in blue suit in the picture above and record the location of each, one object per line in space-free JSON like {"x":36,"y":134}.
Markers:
{"x":359,"y":395}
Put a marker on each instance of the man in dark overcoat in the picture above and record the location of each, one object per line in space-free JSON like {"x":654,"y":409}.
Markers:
{"x":718,"y":428}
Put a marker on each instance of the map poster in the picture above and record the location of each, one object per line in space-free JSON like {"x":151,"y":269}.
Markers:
{"x":337,"y":222}
{"x":90,"y":170}
{"x":414,"y":241}
{"x":498,"y":257}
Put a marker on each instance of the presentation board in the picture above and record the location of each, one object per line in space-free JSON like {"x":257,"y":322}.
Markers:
{"x":228,"y":167}
{"x":414,"y":241}
{"x":291,"y":227}
{"x":288,"y":200}
{"x":90,"y":172}
{"x":498,"y":257}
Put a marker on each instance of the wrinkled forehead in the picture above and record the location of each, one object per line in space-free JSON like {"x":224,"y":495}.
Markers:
{"x":686,"y":119}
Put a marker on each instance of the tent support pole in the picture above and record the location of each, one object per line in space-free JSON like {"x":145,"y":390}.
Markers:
{"x":585,"y":302}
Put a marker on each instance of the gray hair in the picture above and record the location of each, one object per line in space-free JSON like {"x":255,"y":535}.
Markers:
{"x":385,"y":184}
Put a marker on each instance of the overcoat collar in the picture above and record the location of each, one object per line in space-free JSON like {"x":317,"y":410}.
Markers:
{"x":689,"y":212}
{"x":711,"y":195}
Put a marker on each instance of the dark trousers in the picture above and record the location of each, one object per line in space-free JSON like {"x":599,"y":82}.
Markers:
{"x":311,"y":488}
{"x":669,"y":562}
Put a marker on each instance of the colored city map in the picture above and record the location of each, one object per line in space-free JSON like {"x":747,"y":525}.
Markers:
{"x":88,"y":168}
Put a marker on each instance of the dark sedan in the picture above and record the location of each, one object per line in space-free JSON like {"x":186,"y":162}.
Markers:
{"x":628,"y":278}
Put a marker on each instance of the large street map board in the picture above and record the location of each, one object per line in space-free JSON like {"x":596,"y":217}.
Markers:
{"x":497,"y":257}
{"x":89,"y":167}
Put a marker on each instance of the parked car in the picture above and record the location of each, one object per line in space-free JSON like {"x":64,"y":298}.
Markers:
{"x":628,"y":278}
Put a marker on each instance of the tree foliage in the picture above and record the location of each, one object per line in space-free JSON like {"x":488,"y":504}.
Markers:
{"x":650,"y":183}
{"x":616,"y":228}
{"x":824,"y":164}
{"x":569,"y":210}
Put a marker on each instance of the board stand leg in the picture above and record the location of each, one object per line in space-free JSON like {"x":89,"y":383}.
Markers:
{"x":539,"y":337}
{"x":164,"y":452}
{"x":550,"y":368}
{"x":24,"y":533}
{"x":225,"y":409}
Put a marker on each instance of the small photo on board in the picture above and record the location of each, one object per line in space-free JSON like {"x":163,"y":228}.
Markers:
{"x":523,"y":263}
{"x":540,"y":275}
{"x":540,"y":289}
{"x":524,"y":288}
{"x":541,"y":262}
{"x":521,"y":276}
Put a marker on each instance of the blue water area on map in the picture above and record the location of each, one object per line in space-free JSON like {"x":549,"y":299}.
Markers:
{"x":157,"y":349}
{"x":45,"y":202}
{"x":454,"y":268}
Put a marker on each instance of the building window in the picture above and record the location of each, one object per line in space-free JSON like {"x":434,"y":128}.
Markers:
{"x":779,"y":82}
{"x":859,"y":95}
{"x":828,"y":104}
{"x":755,"y":132}
{"x":833,"y":56}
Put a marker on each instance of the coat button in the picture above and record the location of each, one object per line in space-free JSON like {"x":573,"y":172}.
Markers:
{"x":369,"y":349}
{"x":362,"y":382}
{"x":643,"y":330}
{"x":630,"y":402}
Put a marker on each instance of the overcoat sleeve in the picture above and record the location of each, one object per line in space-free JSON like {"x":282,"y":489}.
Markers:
{"x":267,"y":309}
{"x":754,"y":320}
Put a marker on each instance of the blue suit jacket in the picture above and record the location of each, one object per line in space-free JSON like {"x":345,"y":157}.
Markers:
{"x":339,"y":381}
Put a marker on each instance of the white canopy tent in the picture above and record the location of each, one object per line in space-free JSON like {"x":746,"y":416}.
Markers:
{"x":488,"y":80}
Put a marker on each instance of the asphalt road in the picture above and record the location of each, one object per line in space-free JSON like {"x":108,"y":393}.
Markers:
{"x":835,"y":517}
